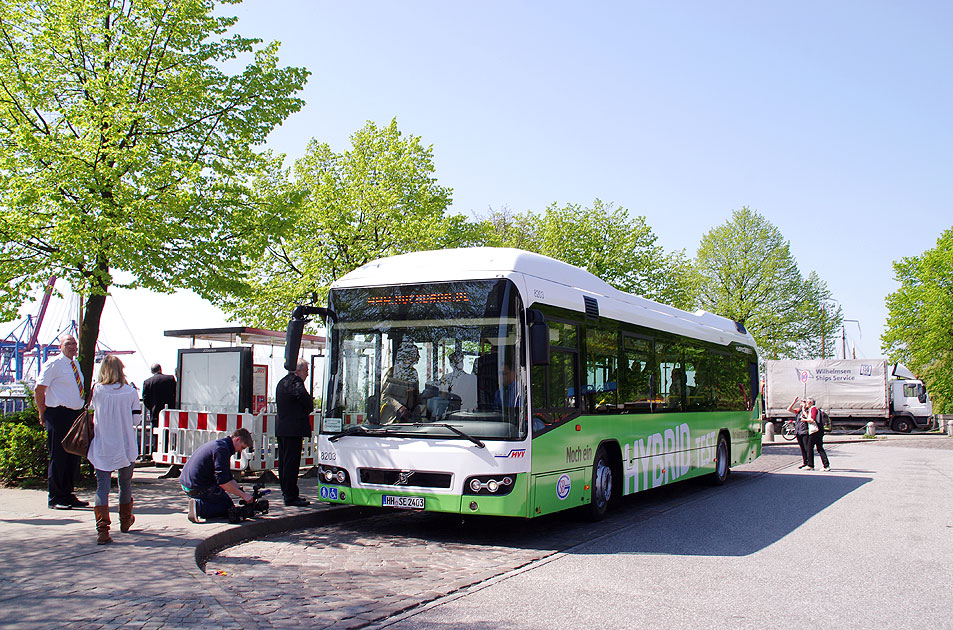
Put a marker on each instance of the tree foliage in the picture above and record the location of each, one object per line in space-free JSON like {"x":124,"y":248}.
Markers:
{"x":744,"y":270}
{"x":605,"y":240}
{"x":125,"y":147}
{"x":919,"y":330}
{"x":377,"y":199}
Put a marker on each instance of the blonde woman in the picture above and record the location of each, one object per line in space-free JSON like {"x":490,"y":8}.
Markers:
{"x":116,"y":411}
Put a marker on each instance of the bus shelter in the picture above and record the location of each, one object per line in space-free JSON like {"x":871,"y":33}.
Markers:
{"x":222,"y":384}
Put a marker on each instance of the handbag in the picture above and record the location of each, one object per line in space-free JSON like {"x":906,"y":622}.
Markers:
{"x":80,"y":434}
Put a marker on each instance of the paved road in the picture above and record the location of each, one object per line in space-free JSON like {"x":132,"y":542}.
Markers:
{"x":739,"y":556}
{"x":371,"y":569}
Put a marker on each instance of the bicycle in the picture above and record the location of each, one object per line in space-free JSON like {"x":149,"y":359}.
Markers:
{"x":788,"y":430}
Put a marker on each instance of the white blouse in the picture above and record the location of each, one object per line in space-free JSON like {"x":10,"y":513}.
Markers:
{"x":114,"y":443}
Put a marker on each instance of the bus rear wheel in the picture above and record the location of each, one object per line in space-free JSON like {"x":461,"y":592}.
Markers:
{"x":721,"y":462}
{"x":601,"y":486}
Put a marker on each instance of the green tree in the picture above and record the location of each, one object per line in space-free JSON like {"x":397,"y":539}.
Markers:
{"x":125,"y":147}
{"x":605,"y":240}
{"x":919,"y":330}
{"x":378,"y":199}
{"x":744,"y":270}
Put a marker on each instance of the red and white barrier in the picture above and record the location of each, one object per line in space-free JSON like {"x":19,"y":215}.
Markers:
{"x":181,"y":432}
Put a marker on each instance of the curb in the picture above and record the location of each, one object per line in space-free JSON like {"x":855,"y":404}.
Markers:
{"x":826,"y":442}
{"x":260,"y":528}
{"x":845,"y":439}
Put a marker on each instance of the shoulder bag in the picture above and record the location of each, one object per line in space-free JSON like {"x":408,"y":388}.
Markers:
{"x":80,"y":434}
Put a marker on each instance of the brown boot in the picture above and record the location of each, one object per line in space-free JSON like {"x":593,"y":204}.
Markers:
{"x":102,"y":524}
{"x":126,"y":519}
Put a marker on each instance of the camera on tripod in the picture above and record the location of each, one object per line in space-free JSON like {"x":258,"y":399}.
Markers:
{"x":248,"y":509}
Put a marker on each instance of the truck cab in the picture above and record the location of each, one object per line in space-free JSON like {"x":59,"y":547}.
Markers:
{"x":910,"y":406}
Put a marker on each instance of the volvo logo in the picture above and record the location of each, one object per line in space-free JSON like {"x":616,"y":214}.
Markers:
{"x":404,"y":476}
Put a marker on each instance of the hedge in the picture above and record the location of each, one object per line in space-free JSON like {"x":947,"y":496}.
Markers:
{"x":23,"y":448}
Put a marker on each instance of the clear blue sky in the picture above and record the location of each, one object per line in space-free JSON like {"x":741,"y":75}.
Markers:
{"x":832,"y":119}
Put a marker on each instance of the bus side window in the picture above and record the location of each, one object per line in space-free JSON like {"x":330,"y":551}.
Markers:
{"x":635,"y":393}
{"x":602,"y":370}
{"x":698,"y":380}
{"x":538,"y":387}
{"x":672,"y":381}
{"x":730,"y":376}
{"x":562,"y":380}
{"x":555,"y":387}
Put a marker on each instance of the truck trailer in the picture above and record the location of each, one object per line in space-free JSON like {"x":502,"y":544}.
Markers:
{"x":853,"y":392}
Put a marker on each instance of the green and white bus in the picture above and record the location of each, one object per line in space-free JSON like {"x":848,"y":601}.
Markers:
{"x":500,"y":382}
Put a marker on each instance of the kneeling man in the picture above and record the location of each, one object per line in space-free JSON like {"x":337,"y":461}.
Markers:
{"x":207,"y":477}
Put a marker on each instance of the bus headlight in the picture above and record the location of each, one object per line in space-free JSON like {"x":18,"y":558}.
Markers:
{"x":333,"y":474}
{"x":489,"y":484}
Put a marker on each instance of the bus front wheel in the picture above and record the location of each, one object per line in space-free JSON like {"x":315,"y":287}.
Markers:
{"x":601,"y":485}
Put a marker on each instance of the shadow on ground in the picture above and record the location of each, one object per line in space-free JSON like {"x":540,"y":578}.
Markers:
{"x":751,"y":511}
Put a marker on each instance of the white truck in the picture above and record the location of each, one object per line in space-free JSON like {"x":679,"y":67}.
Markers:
{"x":853,"y":392}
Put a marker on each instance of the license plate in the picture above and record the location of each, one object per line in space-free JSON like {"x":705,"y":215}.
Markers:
{"x":407,"y":503}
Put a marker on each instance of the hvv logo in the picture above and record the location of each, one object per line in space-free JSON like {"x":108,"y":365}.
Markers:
{"x":514,"y":453}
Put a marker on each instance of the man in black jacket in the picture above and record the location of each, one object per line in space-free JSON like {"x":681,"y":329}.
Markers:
{"x":292,"y":426}
{"x":158,"y":393}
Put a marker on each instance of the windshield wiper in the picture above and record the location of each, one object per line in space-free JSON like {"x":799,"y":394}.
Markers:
{"x":439,"y":424}
{"x":354,"y":429}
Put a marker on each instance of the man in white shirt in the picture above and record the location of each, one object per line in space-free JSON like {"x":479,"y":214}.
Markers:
{"x":59,"y":396}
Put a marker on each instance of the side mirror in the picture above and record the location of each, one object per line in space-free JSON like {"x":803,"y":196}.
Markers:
{"x":293,"y":342}
{"x":538,"y":337}
{"x":299,"y":319}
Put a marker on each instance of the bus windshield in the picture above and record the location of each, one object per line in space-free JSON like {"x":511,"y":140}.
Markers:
{"x":436,"y":360}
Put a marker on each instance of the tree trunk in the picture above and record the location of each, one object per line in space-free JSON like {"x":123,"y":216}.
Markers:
{"x":89,"y":334}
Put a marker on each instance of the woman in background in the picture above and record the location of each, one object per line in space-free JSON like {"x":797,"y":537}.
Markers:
{"x":816,"y":435}
{"x":799,"y":409}
{"x":116,"y":408}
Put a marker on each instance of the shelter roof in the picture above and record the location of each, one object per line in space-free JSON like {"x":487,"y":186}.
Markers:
{"x":246,"y":335}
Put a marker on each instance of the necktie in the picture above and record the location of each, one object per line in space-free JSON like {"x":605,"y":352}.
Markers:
{"x":79,"y":380}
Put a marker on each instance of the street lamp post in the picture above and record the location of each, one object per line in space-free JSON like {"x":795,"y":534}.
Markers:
{"x":843,"y":334}
{"x":824,"y":305}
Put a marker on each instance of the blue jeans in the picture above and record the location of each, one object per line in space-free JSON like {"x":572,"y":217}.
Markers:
{"x":211,"y":501}
{"x":104,"y":481}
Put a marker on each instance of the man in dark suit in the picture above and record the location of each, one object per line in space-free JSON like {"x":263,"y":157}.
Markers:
{"x":158,"y":393}
{"x":294,"y":406}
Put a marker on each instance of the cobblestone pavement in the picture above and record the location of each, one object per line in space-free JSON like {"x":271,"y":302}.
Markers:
{"x":357,"y":573}
{"x":56,"y":576}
